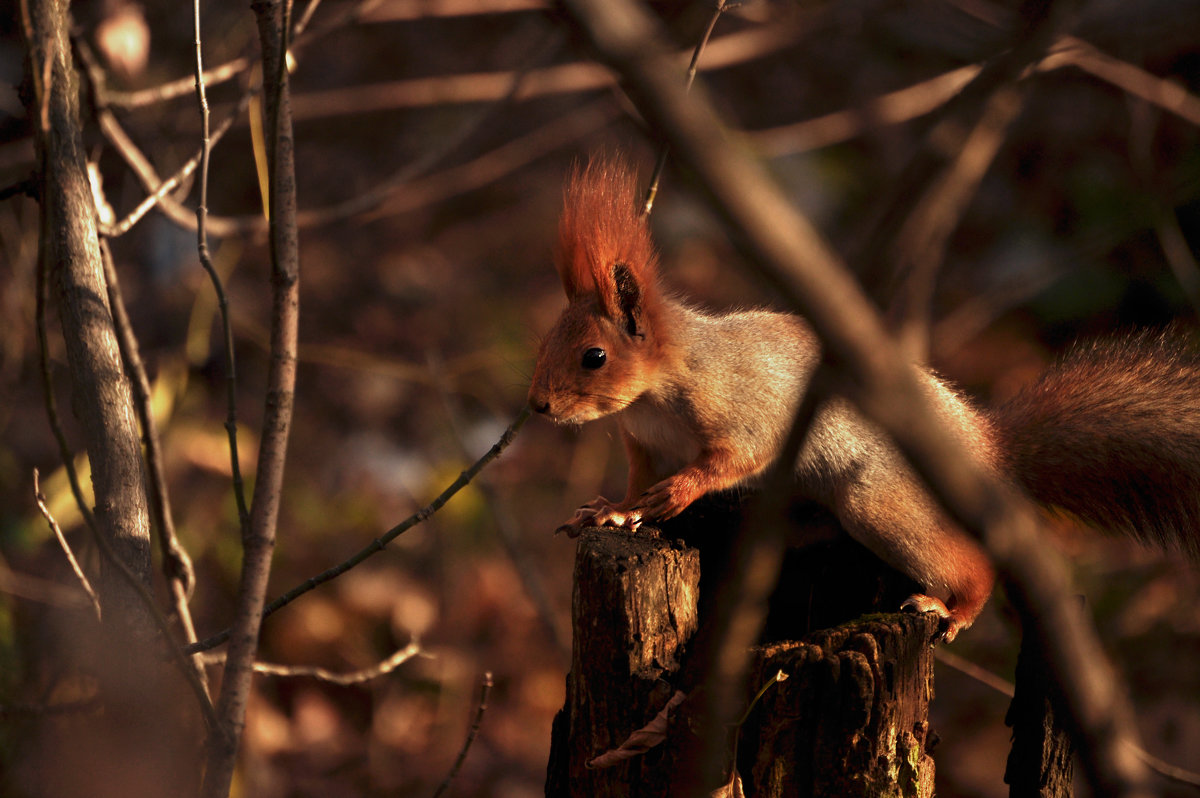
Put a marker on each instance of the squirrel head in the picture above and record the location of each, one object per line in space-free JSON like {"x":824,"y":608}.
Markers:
{"x":605,"y":349}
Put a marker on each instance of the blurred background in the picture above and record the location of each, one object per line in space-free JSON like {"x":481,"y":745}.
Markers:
{"x":432,"y":137}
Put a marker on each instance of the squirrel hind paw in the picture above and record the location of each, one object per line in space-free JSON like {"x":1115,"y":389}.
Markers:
{"x":950,"y":624}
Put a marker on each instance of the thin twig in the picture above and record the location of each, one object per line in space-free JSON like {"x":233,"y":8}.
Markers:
{"x":660,"y":162}
{"x":485,"y":690}
{"x":206,"y":144}
{"x":240,"y":65}
{"x":922,"y":239}
{"x":1169,"y":95}
{"x":481,"y":170}
{"x":379,"y":193}
{"x":926,"y":96}
{"x":179,"y":87}
{"x":1167,"y":770}
{"x":379,"y":543}
{"x":273,"y":20}
{"x":503,"y":522}
{"x":1171,"y":239}
{"x":123,"y":226}
{"x":968,"y":668}
{"x":66,"y":547}
{"x":572,"y":78}
{"x":142,"y":168}
{"x":381,"y":668}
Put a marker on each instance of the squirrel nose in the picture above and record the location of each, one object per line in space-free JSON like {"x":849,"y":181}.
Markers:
{"x":539,"y":405}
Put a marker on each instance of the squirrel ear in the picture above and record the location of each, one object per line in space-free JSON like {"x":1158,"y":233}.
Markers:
{"x":629,"y":299}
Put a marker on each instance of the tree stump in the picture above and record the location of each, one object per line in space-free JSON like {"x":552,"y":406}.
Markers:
{"x":633,"y":609}
{"x":851,"y":718}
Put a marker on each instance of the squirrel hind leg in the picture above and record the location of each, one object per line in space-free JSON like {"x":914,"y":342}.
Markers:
{"x":900,"y":524}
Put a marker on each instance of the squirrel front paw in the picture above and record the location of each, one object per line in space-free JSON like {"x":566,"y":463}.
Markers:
{"x":601,"y":512}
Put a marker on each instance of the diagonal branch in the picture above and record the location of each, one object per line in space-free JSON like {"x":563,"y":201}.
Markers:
{"x":790,"y":255}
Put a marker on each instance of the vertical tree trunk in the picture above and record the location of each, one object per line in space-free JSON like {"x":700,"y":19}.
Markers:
{"x":142,"y":741}
{"x":101,"y":395}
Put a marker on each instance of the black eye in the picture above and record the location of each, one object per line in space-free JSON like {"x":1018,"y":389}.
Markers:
{"x":594,"y":358}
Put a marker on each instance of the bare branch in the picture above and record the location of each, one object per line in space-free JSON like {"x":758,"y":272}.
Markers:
{"x":1168,"y":95}
{"x":796,"y":261}
{"x":927,"y":96}
{"x":165,"y":187}
{"x":505,"y":525}
{"x":178,"y":88}
{"x":479,"y":171}
{"x":381,"y":668}
{"x":722,"y":52}
{"x":368,"y":200}
{"x":66,"y":547}
{"x":258,"y":535}
{"x":661,"y":161}
{"x":378,"y":545}
{"x":485,"y":690}
{"x":887,"y":109}
{"x":922,"y":239}
{"x":206,"y":145}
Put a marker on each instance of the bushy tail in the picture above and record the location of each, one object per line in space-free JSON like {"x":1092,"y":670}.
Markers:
{"x":1112,"y":435}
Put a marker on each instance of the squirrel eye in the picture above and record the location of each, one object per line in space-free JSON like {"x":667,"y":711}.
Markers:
{"x":594,"y":358}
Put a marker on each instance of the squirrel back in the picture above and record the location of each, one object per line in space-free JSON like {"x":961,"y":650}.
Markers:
{"x":1111,"y":434}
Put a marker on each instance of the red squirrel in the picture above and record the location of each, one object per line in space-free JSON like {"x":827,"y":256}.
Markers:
{"x":704,"y":401}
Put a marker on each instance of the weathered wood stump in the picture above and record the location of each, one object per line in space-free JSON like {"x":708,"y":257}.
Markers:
{"x":851,"y":718}
{"x":633,"y":608}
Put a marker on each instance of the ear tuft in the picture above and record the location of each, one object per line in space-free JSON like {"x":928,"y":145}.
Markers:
{"x":604,"y":247}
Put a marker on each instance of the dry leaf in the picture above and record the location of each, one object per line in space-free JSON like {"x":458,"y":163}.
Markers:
{"x":641,"y":740}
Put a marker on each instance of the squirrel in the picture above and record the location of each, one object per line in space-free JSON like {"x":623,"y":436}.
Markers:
{"x":704,"y":402}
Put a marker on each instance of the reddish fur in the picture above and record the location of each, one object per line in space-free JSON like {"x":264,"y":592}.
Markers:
{"x":600,"y":227}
